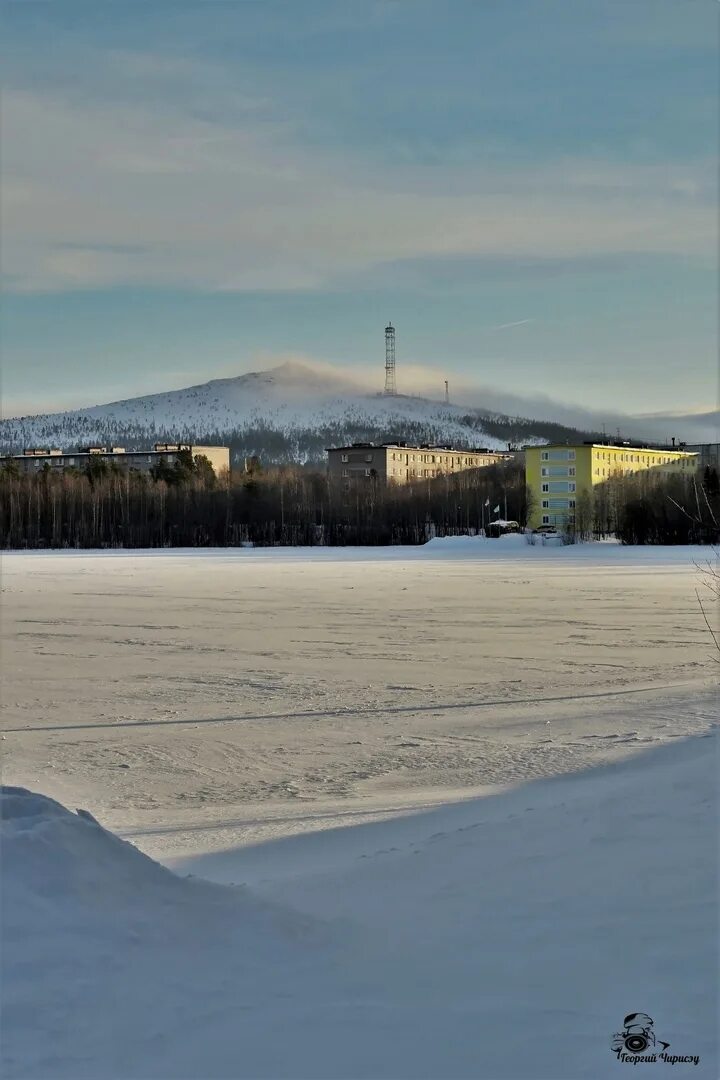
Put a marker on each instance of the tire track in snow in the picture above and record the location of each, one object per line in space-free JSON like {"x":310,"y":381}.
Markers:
{"x":373,"y":710}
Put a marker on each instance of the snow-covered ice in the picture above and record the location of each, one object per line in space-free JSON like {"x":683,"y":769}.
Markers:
{"x":200,"y":699}
{"x":469,"y":792}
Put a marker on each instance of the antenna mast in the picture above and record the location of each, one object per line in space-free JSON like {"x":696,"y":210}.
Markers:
{"x":390,"y":386}
{"x":447,"y":393}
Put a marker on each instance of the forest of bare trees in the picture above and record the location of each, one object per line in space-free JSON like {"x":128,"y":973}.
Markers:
{"x":646,"y":508}
{"x":187,"y":506}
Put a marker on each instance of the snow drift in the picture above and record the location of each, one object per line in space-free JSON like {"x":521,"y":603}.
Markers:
{"x":504,"y":937}
{"x":111,"y":962}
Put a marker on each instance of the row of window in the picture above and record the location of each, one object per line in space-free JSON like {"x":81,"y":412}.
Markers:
{"x":551,"y":470}
{"x":618,"y":470}
{"x":557,"y":455}
{"x":640,"y":459}
{"x":569,"y":518}
{"x":558,"y":487}
{"x":615,"y":455}
{"x":429,"y":474}
{"x":134,"y":459}
{"x":433,"y":459}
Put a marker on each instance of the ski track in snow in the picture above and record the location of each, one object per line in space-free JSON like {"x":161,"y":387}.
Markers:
{"x":213,"y":698}
{"x":520,"y":737}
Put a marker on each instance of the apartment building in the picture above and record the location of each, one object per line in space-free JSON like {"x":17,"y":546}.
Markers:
{"x":708,"y":454}
{"x":399,"y":463}
{"x":558,"y":474}
{"x":36,"y":458}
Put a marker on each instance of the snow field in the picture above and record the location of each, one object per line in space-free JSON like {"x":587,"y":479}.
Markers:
{"x":195,"y":700}
{"x":522,"y":737}
{"x":502,"y":937}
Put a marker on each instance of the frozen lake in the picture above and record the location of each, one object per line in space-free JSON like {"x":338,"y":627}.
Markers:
{"x":196,"y":701}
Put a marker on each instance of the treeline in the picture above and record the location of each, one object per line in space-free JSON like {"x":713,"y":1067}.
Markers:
{"x":185,"y":505}
{"x":277,"y":446}
{"x":182,"y":507}
{"x":516,"y":430}
{"x":647,"y":508}
{"x":308,"y":445}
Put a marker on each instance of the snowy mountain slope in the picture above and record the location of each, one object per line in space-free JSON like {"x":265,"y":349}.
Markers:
{"x":289,"y":404}
{"x":293,"y":411}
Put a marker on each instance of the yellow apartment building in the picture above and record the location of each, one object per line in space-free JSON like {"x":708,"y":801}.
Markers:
{"x":558,"y":474}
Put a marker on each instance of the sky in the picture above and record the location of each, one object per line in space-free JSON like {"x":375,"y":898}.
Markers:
{"x":527,"y":189}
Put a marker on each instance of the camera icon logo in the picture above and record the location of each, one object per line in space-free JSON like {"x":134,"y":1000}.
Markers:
{"x":637,"y":1035}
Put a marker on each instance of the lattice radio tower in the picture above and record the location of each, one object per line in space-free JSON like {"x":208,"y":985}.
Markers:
{"x":390,"y":385}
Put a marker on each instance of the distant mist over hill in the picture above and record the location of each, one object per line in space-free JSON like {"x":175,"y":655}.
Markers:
{"x":290,"y":413}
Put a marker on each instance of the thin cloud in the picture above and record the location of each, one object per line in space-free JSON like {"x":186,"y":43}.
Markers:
{"x":508,"y":325}
{"x":259,"y":210}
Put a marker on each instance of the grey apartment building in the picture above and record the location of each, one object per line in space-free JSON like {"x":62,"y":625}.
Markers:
{"x":36,"y":458}
{"x":708,"y":454}
{"x":398,"y":463}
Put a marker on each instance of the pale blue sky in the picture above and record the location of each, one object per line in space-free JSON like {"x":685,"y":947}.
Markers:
{"x":194,"y":190}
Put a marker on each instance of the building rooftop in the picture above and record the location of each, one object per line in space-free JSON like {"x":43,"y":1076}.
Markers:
{"x":625,"y":444}
{"x":421,"y":446}
{"x":87,"y":451}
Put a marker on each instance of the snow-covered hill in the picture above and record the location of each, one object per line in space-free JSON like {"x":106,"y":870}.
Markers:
{"x":288,"y":412}
{"x":293,"y":411}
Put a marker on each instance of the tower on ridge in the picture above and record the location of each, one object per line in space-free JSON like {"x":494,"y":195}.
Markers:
{"x":390,"y":385}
